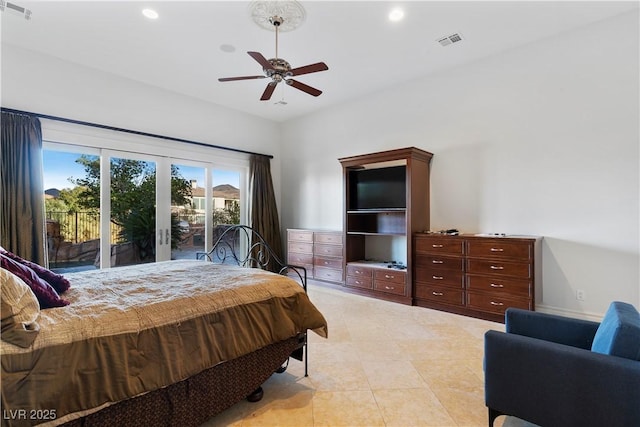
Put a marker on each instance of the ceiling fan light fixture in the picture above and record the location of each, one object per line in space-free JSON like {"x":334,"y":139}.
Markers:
{"x":277,"y":69}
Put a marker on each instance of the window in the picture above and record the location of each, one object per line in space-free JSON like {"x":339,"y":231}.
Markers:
{"x":157,"y":204}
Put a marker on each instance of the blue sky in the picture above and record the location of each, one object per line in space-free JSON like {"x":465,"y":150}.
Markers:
{"x":60,"y":166}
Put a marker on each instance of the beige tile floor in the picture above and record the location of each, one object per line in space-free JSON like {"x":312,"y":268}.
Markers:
{"x":384,"y":364}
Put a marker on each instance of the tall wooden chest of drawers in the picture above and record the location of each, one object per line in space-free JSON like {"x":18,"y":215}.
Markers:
{"x":319,"y":251}
{"x":479,"y":276}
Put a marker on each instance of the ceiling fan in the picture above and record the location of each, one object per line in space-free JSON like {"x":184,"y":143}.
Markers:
{"x":279,"y":70}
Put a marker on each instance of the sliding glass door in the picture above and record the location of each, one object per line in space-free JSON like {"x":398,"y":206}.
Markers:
{"x":134,"y":235}
{"x":72,"y":207}
{"x":212,"y":202}
{"x":188,"y":209}
{"x":108,"y":208}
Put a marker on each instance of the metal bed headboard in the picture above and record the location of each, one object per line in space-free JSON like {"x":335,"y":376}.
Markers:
{"x":242,"y":245}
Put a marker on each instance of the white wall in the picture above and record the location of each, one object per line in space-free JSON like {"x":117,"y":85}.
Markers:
{"x":540,"y":140}
{"x":44,"y":84}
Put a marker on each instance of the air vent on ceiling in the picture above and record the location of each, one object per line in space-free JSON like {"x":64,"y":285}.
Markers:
{"x":14,"y":9}
{"x":453,"y":38}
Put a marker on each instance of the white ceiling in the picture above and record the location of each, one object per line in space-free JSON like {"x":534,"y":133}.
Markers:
{"x":365,"y":52}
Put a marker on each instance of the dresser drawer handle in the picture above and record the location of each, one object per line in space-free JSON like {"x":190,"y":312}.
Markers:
{"x":497,"y":250}
{"x":438,"y":277}
{"x":496,"y":303}
{"x":437,"y":261}
{"x":358,"y":272}
{"x":390,"y":287}
{"x":496,"y":285}
{"x":358,"y":282}
{"x":437,"y":294}
{"x":497,"y":267}
{"x":386,"y":276}
{"x":437,"y":246}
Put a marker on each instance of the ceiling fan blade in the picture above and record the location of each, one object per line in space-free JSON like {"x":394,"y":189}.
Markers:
{"x":266,"y":95}
{"x":312,"y":68}
{"x":303,"y":87}
{"x":261,"y":60}
{"x":231,"y":79}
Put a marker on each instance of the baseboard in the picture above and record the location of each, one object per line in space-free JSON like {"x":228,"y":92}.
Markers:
{"x":594,"y":317}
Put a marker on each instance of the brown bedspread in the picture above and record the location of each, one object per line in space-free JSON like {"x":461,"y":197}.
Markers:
{"x":131,"y":330}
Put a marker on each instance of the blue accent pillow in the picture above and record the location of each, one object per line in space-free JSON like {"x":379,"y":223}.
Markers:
{"x":619,"y":332}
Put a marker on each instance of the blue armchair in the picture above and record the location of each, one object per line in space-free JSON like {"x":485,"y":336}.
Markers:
{"x":556,"y":371}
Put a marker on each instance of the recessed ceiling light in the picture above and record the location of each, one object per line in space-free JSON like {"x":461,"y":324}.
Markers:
{"x":150,"y":13}
{"x":396,"y":15}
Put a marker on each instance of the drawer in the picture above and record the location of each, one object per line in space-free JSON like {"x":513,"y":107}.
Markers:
{"x":295,"y":258}
{"x":499,"y":268}
{"x":449,"y":278}
{"x":357,"y":271}
{"x":360,"y":282}
{"x":328,"y":274}
{"x":440,"y":295}
{"x":500,"y":286}
{"x":300,"y":236}
{"x":335,"y":263}
{"x":302,"y":248}
{"x":440,"y":262}
{"x":437,"y":245}
{"x":328,"y":238}
{"x":389,"y":287}
{"x":500,"y":248}
{"x":328,"y":250}
{"x":494,"y":303}
{"x":390,"y":275}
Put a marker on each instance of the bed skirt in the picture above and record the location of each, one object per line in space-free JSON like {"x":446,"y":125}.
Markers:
{"x":193,"y":401}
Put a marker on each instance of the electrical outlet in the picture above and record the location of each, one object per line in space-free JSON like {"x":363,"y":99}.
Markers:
{"x":580,"y":295}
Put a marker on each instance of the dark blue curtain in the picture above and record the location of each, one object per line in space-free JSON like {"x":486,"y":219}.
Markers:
{"x":22,"y":225}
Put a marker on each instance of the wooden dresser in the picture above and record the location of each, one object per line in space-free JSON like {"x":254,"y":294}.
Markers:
{"x":477,"y":275}
{"x":319,"y":251}
{"x":377,"y":277}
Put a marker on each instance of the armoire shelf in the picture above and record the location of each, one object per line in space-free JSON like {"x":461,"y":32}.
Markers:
{"x":383,"y":221}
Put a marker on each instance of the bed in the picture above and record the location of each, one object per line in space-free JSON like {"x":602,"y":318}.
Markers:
{"x":165,"y":344}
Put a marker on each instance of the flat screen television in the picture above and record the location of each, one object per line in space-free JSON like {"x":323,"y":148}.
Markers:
{"x":383,"y":188}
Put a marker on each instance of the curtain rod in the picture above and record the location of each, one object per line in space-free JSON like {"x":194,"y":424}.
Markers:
{"x":135,"y":132}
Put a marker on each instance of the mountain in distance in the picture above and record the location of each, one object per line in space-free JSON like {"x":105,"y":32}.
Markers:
{"x":226,"y":191}
{"x":52,"y":193}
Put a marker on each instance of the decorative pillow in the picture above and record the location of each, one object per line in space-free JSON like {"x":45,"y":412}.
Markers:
{"x":619,"y":332}
{"x":59,"y":283}
{"x":20,"y":310}
{"x":46,"y":294}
